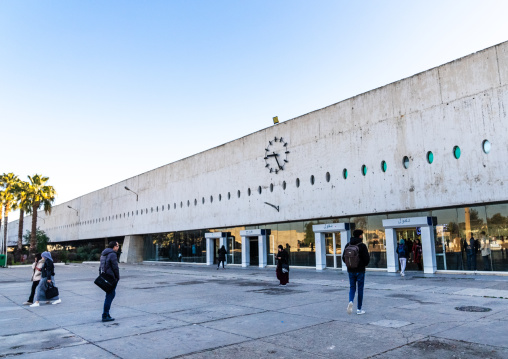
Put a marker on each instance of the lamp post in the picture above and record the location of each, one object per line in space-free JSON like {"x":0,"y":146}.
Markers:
{"x":128,"y":189}
{"x":77,"y":213}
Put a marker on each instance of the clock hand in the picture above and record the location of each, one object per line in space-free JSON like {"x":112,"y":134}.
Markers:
{"x":278,"y":164}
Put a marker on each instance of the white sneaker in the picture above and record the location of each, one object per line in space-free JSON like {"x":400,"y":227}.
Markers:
{"x":58,"y":301}
{"x":402,"y":274}
{"x":36,"y":304}
{"x":350,"y":308}
{"x":360,"y":311}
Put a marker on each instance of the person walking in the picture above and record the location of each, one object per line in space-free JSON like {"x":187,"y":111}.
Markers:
{"x":36,"y":276}
{"x":417,"y":253}
{"x":485,"y":248}
{"x":356,"y":256}
{"x":109,"y":265}
{"x":471,"y":253}
{"x":222,"y":256}
{"x":47,"y":279}
{"x":402,"y":252}
{"x":282,"y":269}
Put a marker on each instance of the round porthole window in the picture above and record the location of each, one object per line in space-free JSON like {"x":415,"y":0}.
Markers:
{"x":284,"y":185}
{"x":220,"y":197}
{"x":238,"y":193}
{"x":405,"y":162}
{"x":271,"y":187}
{"x":383,"y":166}
{"x":364,"y":170}
{"x":248,"y":191}
{"x":430,"y":157}
{"x":486,"y":146}
{"x":203,"y":200}
{"x":181,"y":204}
{"x":188,"y":203}
{"x":456,"y":152}
{"x":195,"y":202}
{"x":327,"y":176}
{"x":211,"y":199}
{"x":229,"y":195}
{"x":259,"y":190}
{"x":297,"y":182}
{"x":312,"y":180}
{"x":344,"y":173}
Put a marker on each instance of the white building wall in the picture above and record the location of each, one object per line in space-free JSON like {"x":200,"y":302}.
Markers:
{"x":460,"y":103}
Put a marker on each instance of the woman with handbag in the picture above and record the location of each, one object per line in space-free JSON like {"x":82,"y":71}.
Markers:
{"x":282,"y":266}
{"x":36,"y":276}
{"x":47,"y":283}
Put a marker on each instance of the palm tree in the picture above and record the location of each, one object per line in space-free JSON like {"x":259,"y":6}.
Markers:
{"x":21,"y":193}
{"x":9,"y":202}
{"x":38,"y":194}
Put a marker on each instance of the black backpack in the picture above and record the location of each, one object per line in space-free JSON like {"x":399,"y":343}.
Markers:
{"x":352,"y":256}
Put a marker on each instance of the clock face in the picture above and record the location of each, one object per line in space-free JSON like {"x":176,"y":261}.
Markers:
{"x":276,"y":155}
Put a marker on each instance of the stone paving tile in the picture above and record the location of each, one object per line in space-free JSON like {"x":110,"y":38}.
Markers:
{"x":328,"y":339}
{"x":492,"y":332}
{"x":44,"y":339}
{"x":170,"y":343}
{"x":207,"y":314}
{"x":84,"y":351}
{"x":433,"y":348}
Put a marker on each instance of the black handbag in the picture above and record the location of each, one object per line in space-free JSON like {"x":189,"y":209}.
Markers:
{"x":106,"y":282}
{"x":51,"y":291}
{"x":285,"y":268}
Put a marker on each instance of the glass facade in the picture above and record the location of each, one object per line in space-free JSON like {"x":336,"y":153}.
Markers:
{"x":454,"y":226}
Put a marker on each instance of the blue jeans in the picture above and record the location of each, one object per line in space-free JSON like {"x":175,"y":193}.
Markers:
{"x":353,"y":279}
{"x":471,"y":261}
{"x":107,"y":302}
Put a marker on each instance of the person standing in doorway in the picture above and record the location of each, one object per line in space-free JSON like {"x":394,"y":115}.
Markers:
{"x":282,"y":269}
{"x":356,"y":256}
{"x":471,"y":253}
{"x":402,"y":252}
{"x":417,"y":253}
{"x":109,"y":265}
{"x":222,"y":256}
{"x":485,"y":248}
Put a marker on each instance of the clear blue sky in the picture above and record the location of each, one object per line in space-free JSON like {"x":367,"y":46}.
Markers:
{"x":94,"y":92}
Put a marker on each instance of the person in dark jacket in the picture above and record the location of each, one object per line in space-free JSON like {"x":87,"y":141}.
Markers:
{"x":282,"y":258}
{"x":222,"y":256}
{"x":109,"y":265}
{"x":47,"y":278}
{"x":357,"y":275}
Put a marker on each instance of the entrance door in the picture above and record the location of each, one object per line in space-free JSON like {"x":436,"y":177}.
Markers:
{"x":254,"y":251}
{"x":333,"y":250}
{"x":410,"y":236}
{"x":234,"y":251}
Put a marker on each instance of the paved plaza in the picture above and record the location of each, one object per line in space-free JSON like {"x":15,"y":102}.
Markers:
{"x":195,"y":311}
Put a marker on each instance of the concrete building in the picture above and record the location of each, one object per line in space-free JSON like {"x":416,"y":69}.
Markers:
{"x":422,"y":158}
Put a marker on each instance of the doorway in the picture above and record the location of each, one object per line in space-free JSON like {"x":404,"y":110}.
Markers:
{"x":254,"y":251}
{"x":216,"y":247}
{"x":333,"y":250}
{"x":234,"y":255}
{"x":411,"y":236}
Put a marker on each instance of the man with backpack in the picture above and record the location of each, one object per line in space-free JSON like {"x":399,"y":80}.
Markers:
{"x":356,"y":256}
{"x":109,"y":265}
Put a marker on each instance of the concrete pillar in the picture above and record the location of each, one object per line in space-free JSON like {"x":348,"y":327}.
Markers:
{"x":320,"y":250}
{"x":345,"y":237}
{"x":429,"y":250}
{"x":209,"y":251}
{"x":262,"y":248}
{"x":392,"y":262}
{"x":133,"y":249}
{"x":245,"y":251}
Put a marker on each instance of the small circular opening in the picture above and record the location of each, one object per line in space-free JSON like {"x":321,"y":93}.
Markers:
{"x":456,"y":152}
{"x":248,"y":191}
{"x":405,"y":162}
{"x":211,"y":199}
{"x":220,"y":197}
{"x":271,"y":187}
{"x":312,"y":180}
{"x":260,"y":190}
{"x":486,"y":146}
{"x":195,"y":202}
{"x":327,"y":176}
{"x":364,"y":170}
{"x":203,"y":200}
{"x":344,"y":173}
{"x":383,"y":166}
{"x":297,"y":182}
{"x":430,"y":157}
{"x":229,"y":195}
{"x":284,"y":185}
{"x":238,"y":193}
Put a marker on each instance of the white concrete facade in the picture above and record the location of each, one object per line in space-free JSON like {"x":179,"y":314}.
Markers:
{"x":461,"y":103}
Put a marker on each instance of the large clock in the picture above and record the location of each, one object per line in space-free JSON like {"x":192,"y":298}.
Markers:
{"x":276,"y":155}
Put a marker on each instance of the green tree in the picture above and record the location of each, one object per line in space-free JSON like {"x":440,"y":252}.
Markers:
{"x":8,"y":182}
{"x":39,"y":195}
{"x":21,"y":190}
{"x":41,"y":239}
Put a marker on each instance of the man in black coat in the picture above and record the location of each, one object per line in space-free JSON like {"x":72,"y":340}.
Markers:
{"x":109,"y":265}
{"x":357,"y":274}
